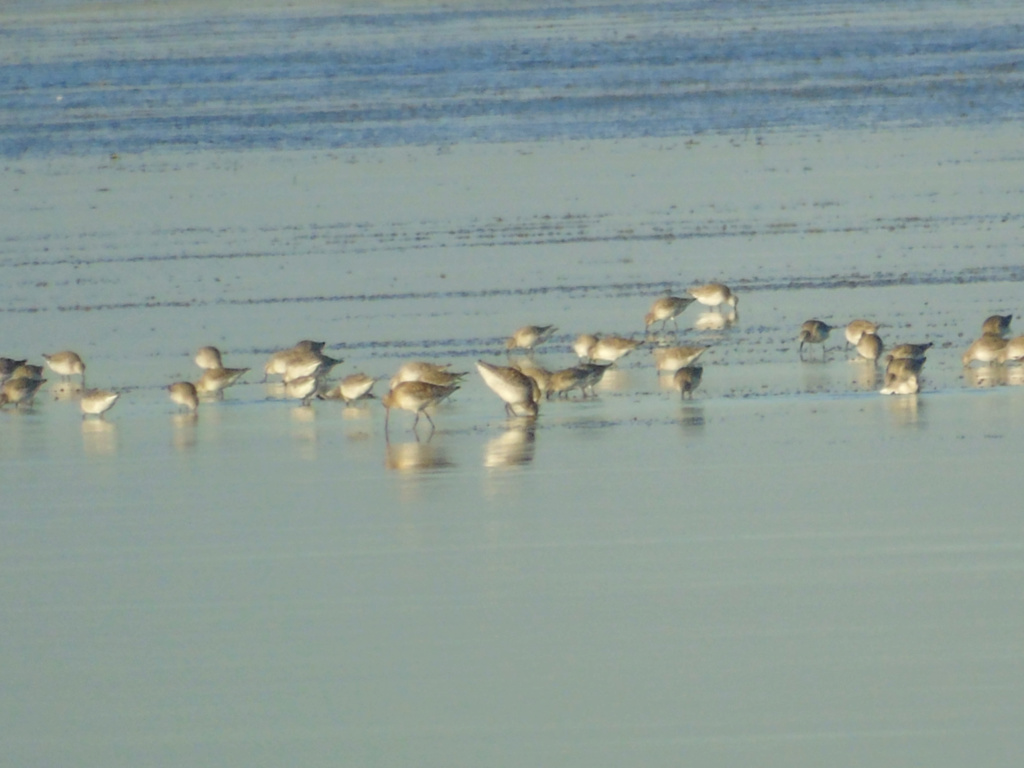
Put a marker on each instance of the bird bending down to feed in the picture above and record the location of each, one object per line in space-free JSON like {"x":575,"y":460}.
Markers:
{"x":665,"y":309}
{"x":814,"y":332}
{"x":686,"y":379}
{"x":714,"y":295}
{"x":184,"y":393}
{"x":519,"y":391}
{"x":529,"y":336}
{"x":415,"y":397}
{"x":96,"y":402}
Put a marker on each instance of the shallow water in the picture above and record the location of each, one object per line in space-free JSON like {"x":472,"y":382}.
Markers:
{"x":788,"y":569}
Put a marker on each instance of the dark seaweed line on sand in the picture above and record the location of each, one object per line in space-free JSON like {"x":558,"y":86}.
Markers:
{"x":973,"y":275}
{"x":528,"y":235}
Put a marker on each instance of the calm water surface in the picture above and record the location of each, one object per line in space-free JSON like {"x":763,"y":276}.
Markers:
{"x":788,"y":570}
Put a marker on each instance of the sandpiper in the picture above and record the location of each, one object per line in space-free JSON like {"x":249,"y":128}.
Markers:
{"x":520,"y":392}
{"x":431,"y":373}
{"x":278,"y":362}
{"x":985,"y":349}
{"x":184,"y":394}
{"x":610,"y":348}
{"x":997,"y":324}
{"x":66,"y":364}
{"x":814,"y":332}
{"x":215,"y":380}
{"x":302,"y":388}
{"x":582,"y":377}
{"x":583,"y":344}
{"x":19,"y":390}
{"x":713,"y":295}
{"x":590,"y":375}
{"x":901,"y":384}
{"x":529,"y":336}
{"x":415,"y":397}
{"x":96,"y":402}
{"x":857,"y":328}
{"x":686,"y":379}
{"x":671,"y":359}
{"x":665,"y":309}
{"x":1013,"y":351}
{"x":9,"y":366}
{"x":540,"y":375}
{"x":27,"y":371}
{"x":870,"y":347}
{"x":903,"y":366}
{"x":208,"y":358}
{"x":309,"y":364}
{"x":353,"y":387}
{"x":913,"y":351}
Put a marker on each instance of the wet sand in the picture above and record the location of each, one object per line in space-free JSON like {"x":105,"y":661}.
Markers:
{"x":788,"y":569}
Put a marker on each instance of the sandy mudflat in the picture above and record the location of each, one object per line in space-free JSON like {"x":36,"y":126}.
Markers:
{"x":790,"y":569}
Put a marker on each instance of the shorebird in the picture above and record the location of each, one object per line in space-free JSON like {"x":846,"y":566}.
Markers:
{"x":184,"y":394}
{"x":565,"y":381}
{"x":216,"y":380}
{"x":667,"y":308}
{"x":996,"y":324}
{"x":302,"y":388}
{"x":430,"y":373}
{"x":869,"y":346}
{"x":309,"y":364}
{"x":353,"y":387}
{"x":520,"y":392}
{"x":582,"y":377}
{"x":9,"y":366}
{"x":590,"y":376}
{"x":66,"y":364}
{"x":27,"y":371}
{"x":208,"y":358}
{"x":903,"y":366}
{"x":583,"y":344}
{"x":529,"y":336}
{"x":713,"y":295}
{"x":985,"y":349}
{"x":814,"y":332}
{"x":671,"y":359}
{"x":540,"y":375}
{"x":608,"y":349}
{"x":415,"y":397}
{"x":686,"y":379}
{"x":19,"y":390}
{"x":1013,"y":351}
{"x":278,"y":362}
{"x":913,"y":351}
{"x":96,"y":402}
{"x":901,"y":384}
{"x":857,"y":328}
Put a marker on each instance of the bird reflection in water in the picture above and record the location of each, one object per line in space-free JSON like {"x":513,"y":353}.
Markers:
{"x":99,"y":437}
{"x":866,"y":376}
{"x":513,"y":448}
{"x":985,"y":376}
{"x":416,"y":457}
{"x":904,"y":410}
{"x":614,"y":380}
{"x":691,"y":418}
{"x":1014,"y":375}
{"x":714,"y":321}
{"x":184,"y":435}
{"x":304,"y":432}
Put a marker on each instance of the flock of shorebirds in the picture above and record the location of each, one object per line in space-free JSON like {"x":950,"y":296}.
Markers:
{"x":523,"y":384}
